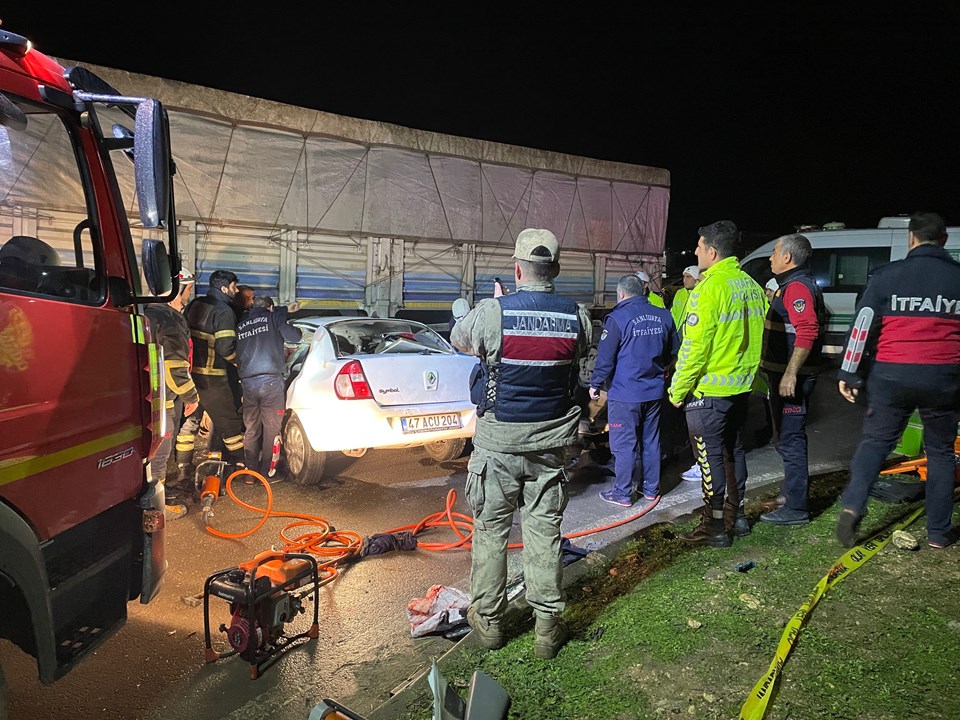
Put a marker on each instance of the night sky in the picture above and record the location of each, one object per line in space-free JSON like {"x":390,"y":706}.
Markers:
{"x":770,"y":118}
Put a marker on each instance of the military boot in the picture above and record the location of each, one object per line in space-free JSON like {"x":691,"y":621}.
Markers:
{"x":488,"y":632}
{"x":710,"y":532}
{"x":735,"y":521}
{"x":550,"y":634}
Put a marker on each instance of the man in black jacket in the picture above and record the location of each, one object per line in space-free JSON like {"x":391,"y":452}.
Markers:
{"x":213,"y":327}
{"x":908,"y":327}
{"x":260,"y":337}
{"x":170,"y":331}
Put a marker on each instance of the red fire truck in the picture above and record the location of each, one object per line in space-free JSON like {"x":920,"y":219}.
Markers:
{"x":81,"y":389}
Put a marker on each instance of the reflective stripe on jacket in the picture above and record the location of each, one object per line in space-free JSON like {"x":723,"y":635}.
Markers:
{"x":173,"y":335}
{"x":535,"y":374}
{"x":213,"y":327}
{"x":722,"y":335}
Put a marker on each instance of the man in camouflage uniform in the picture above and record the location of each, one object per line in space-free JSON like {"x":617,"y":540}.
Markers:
{"x":529,"y":343}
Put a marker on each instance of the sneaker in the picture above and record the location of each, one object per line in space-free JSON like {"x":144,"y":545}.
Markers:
{"x":174,"y":511}
{"x":847,"y":524}
{"x":939,"y":542}
{"x":550,"y":634}
{"x":786,"y":516}
{"x":610,"y":497}
{"x":692,"y":475}
{"x":488,"y":632}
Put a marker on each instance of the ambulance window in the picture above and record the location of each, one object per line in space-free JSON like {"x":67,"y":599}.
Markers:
{"x":46,"y":243}
{"x":854,"y":266}
{"x":759,"y":270}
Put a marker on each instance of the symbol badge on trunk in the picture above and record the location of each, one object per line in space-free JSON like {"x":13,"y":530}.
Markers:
{"x":430,"y":379}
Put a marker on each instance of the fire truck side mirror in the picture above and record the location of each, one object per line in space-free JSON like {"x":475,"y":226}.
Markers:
{"x":120,"y":293}
{"x":151,"y":154}
{"x":156,"y":267}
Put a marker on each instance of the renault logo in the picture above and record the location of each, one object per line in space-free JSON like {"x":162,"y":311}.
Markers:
{"x":430,"y":379}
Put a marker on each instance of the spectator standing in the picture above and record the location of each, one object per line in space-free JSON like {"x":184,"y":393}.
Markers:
{"x":171,"y":332}
{"x":529,"y":343}
{"x":770,"y":289}
{"x":910,"y":308}
{"x":792,"y":339}
{"x":213,"y":328}
{"x":678,"y":308}
{"x":260,"y":359}
{"x":648,"y":292}
{"x":691,"y":276}
{"x":718,"y":360}
{"x":638,"y":343}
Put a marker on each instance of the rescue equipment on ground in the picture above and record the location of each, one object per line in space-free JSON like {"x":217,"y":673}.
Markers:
{"x":263,"y":599}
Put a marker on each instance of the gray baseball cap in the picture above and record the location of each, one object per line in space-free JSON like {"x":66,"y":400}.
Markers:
{"x":537,"y":245}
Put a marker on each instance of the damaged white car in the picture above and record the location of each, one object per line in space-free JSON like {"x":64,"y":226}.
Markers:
{"x":361,"y":383}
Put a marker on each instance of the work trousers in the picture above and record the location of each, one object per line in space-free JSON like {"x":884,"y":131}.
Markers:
{"x":632,"y":423}
{"x":158,"y":466}
{"x":790,"y":437}
{"x":715,"y":425}
{"x":264,"y":405}
{"x":497,"y":485}
{"x":891,"y":402}
{"x":217,"y":398}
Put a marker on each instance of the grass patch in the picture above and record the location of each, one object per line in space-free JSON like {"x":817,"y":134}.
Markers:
{"x":668,"y":631}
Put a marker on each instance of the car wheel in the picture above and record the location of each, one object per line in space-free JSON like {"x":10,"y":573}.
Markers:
{"x":444,"y":450}
{"x":304,"y":463}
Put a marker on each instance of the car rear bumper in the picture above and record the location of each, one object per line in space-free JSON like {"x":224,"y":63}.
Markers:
{"x":359,"y":424}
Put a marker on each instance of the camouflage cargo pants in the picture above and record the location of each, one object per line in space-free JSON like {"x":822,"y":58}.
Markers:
{"x":497,"y":485}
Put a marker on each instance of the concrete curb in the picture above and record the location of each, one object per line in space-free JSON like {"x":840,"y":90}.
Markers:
{"x":415,"y":695}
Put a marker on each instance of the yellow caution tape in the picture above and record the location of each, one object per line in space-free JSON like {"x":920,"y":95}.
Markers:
{"x":756,"y":705}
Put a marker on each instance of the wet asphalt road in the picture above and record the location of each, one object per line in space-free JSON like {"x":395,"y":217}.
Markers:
{"x":154,"y":667}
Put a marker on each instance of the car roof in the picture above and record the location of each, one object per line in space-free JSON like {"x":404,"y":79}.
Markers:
{"x":324,"y":321}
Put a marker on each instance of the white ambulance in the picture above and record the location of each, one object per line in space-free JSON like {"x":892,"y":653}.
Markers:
{"x":843,"y":260}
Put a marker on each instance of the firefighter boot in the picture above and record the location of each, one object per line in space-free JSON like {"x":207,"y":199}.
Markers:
{"x":710,"y":532}
{"x":550,"y":634}
{"x":735,"y":521}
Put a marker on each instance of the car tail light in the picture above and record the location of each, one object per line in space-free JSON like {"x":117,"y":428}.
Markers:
{"x":350,"y":383}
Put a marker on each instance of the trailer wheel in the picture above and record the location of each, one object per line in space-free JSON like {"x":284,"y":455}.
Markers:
{"x":304,"y":463}
{"x":444,"y":450}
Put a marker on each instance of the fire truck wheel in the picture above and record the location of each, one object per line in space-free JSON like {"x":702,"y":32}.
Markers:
{"x":304,"y":463}
{"x":444,"y":450}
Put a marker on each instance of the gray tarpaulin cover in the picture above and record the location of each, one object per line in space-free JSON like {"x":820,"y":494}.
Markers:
{"x":248,"y":161}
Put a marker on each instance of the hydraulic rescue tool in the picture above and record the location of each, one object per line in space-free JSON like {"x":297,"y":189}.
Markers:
{"x":208,"y":485}
{"x":262,"y":598}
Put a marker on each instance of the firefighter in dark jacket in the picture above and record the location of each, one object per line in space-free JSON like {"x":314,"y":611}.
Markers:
{"x":792,"y":339}
{"x":170,"y":331}
{"x":213,"y":328}
{"x":638,"y":343}
{"x":260,"y":337}
{"x":904,"y":347}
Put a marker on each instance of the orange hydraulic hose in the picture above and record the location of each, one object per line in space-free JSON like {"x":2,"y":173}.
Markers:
{"x":459,"y":522}
{"x":334,"y":547}
{"x":331,"y":547}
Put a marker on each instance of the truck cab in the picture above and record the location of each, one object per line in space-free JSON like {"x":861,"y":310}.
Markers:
{"x":81,"y":391}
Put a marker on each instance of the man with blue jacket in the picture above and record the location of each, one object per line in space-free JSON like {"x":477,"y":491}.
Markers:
{"x":638,"y":343}
{"x":260,"y":336}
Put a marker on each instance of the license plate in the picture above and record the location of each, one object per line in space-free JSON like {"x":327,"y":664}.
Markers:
{"x":429,"y":423}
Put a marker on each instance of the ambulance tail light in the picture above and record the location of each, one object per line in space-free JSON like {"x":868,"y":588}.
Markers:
{"x":351,"y":383}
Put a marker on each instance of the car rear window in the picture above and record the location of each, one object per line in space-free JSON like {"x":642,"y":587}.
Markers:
{"x":379,"y":337}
